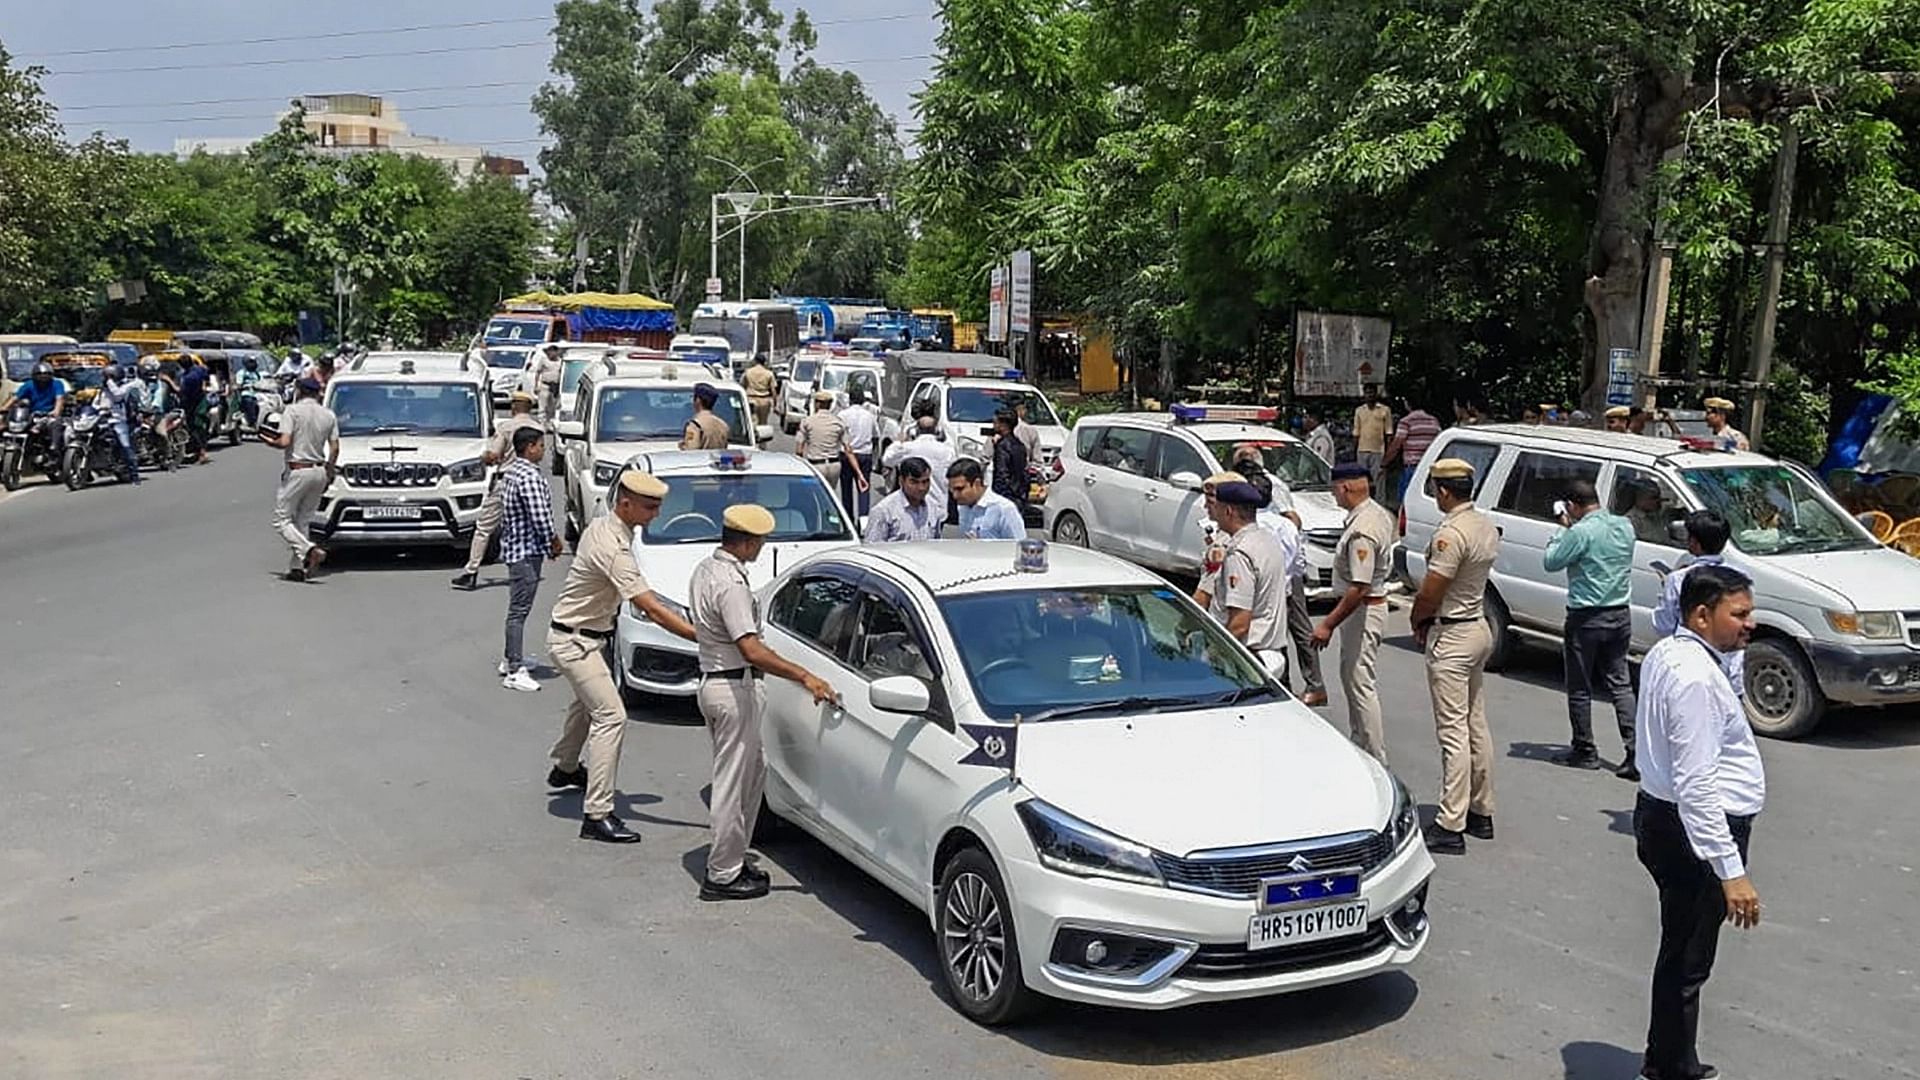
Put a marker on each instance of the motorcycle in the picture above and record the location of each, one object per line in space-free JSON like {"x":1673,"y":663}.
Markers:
{"x":92,"y":450}
{"x":257,"y":402}
{"x":28,"y":444}
{"x":159,"y":440}
{"x":219,"y":419}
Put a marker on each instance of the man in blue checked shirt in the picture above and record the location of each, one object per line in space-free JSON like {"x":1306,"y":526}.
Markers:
{"x":527,"y":540}
{"x":984,"y":515}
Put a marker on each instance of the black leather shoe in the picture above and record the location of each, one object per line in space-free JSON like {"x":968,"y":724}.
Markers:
{"x":298,"y":573}
{"x":1479,"y":826}
{"x":1577,"y":759}
{"x":743,"y":887}
{"x":1628,"y":771}
{"x":1444,"y":841}
{"x":607,"y":830}
{"x":576,"y":778}
{"x":752,"y":870}
{"x":465,"y":581}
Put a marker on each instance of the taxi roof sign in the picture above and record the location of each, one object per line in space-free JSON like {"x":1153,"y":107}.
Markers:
{"x":1229,"y":414}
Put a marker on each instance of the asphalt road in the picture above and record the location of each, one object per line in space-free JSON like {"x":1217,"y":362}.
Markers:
{"x":256,"y":829}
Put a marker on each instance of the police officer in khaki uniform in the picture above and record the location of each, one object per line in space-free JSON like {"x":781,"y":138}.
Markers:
{"x":602,"y":576}
{"x":705,"y":431}
{"x":823,"y":441}
{"x":760,"y":383}
{"x":1360,"y":577}
{"x":726,"y":625}
{"x":547,"y":370}
{"x":1248,"y":593}
{"x":1449,"y":624}
{"x":310,"y":435}
{"x":497,"y":451}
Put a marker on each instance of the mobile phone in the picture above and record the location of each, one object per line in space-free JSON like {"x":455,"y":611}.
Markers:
{"x":1559,"y":508}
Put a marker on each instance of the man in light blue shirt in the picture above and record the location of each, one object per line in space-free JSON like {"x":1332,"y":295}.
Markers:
{"x":1595,"y":548}
{"x":983,"y":514}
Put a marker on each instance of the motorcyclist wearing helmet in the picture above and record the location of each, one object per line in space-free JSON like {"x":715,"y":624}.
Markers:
{"x":46,"y":394}
{"x":247,"y":383}
{"x":120,"y":397}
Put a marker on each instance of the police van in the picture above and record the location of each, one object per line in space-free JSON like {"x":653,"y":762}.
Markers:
{"x":624,"y":407}
{"x":1837,"y":612}
{"x":413,"y":427}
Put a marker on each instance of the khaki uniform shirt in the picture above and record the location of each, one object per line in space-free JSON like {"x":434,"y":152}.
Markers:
{"x":1362,"y":555}
{"x":310,"y":427}
{"x":602,"y":576}
{"x":1371,"y":425}
{"x":1463,"y":549}
{"x":502,"y":445}
{"x":1253,"y":578}
{"x":704,"y":432}
{"x":759,"y":381}
{"x":723,"y":609}
{"x":821,"y":435}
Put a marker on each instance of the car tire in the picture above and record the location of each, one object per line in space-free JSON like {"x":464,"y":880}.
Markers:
{"x":1068,"y":528}
{"x":1500,"y":626}
{"x":1783,"y":697}
{"x":572,"y":531}
{"x":979,"y":952}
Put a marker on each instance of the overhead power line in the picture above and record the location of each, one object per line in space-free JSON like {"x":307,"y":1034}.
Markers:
{"x":305,"y":59}
{"x":257,"y":116}
{"x":289,"y":97}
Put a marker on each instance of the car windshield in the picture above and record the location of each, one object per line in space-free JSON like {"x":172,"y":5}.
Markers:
{"x":507,"y":358}
{"x":738,"y":332}
{"x":802,"y":508}
{"x":503,"y":330}
{"x":1773,"y":510}
{"x":419,"y":408}
{"x":21,"y":358}
{"x":977,"y":404}
{"x":805,"y":371}
{"x":570,"y":376}
{"x":1298,"y":467}
{"x":660,"y":412}
{"x":1053,"y":652}
{"x":701,"y":354}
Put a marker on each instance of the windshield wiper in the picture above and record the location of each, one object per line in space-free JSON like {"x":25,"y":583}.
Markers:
{"x":394,"y":429}
{"x":1124,"y":704}
{"x":1245,"y":693}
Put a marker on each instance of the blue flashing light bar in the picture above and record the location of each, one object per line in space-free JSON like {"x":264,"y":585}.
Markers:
{"x":1242,"y":414}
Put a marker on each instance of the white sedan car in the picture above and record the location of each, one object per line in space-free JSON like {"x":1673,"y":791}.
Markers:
{"x":701,"y":484}
{"x":1151,"y":821}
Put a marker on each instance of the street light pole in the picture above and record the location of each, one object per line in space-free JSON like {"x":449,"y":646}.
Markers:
{"x":713,"y":227}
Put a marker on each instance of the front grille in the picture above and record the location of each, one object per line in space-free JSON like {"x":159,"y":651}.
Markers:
{"x":1239,"y":962}
{"x":664,"y":666}
{"x":1225,"y":873}
{"x":395,"y":474}
{"x":1326,"y":538}
{"x":1912,"y":621}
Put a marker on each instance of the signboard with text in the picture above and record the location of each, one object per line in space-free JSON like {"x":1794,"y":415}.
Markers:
{"x":713,"y":287}
{"x":1337,"y":355}
{"x":1020,"y":294}
{"x":1621,"y":364}
{"x":997,"y":305}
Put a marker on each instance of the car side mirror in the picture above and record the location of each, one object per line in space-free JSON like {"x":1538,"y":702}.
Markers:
{"x":1677,"y":532}
{"x":1187,"y":481}
{"x":900,"y":694}
{"x":1661,"y":568}
{"x":571,"y":429}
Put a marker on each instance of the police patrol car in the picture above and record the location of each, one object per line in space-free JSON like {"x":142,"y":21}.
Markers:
{"x":701,"y":484}
{"x":412,"y":428}
{"x":626,"y":406}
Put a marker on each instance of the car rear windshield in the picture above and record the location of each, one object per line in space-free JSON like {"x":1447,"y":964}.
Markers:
{"x":502,"y":331}
{"x":738,"y":332}
{"x":805,"y":370}
{"x":801,"y":506}
{"x":507,"y":358}
{"x":1773,"y":510}
{"x":1042,"y":653}
{"x":419,"y":408}
{"x":977,"y":404}
{"x":629,"y":414}
{"x":570,"y":376}
{"x":1300,"y":468}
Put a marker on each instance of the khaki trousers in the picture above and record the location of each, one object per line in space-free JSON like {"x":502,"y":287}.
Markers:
{"x":596,"y":721}
{"x":293,"y":507}
{"x":1360,"y":638}
{"x":484,"y":528}
{"x":732,"y":710}
{"x":1456,"y":657}
{"x":762,"y":408}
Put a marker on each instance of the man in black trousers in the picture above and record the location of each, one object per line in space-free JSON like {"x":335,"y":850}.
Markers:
{"x":1701,"y":786}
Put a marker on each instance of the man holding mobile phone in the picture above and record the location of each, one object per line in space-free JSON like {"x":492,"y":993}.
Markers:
{"x":1595,"y":548}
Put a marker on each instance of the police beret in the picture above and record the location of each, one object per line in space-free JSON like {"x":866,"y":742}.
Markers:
{"x":1718,"y":404}
{"x":1618,"y":411}
{"x":823,"y":395}
{"x":704,"y":391}
{"x":1352,"y":470}
{"x":554,"y":346}
{"x":641,"y":483}
{"x":1451,"y":469}
{"x":1237,"y":493}
{"x":1228,"y":477}
{"x":748,"y":518}
{"x":520,"y":397}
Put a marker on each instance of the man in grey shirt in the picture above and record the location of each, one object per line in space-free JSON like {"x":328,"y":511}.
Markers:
{"x":310,"y":435}
{"x":1248,"y":594}
{"x":906,"y":514}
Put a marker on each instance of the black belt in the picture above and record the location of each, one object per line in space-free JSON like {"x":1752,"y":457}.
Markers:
{"x":732,"y":673}
{"x":597,"y":635}
{"x":821,"y":460}
{"x":1597,"y":609}
{"x":1455,"y":620}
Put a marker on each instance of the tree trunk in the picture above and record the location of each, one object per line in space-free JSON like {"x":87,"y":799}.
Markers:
{"x":1644,"y":113}
{"x":629,"y":246}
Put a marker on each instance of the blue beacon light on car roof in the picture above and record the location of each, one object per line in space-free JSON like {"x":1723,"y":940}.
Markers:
{"x":731,"y":459}
{"x":1245,"y":414}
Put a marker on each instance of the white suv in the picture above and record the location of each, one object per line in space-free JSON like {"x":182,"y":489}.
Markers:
{"x":626,"y":407}
{"x":1130,"y":486}
{"x":1838,"y":613}
{"x":506,"y":369}
{"x":412,"y":429}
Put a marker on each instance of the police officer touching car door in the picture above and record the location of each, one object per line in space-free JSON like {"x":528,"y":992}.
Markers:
{"x":1449,"y":625}
{"x":726,"y":627}
{"x":1248,"y":593}
{"x":603,"y":575}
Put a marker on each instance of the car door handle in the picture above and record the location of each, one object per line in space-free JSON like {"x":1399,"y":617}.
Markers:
{"x":1152,"y":495}
{"x":1087,"y":480}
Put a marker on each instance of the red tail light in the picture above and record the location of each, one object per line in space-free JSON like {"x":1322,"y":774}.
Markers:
{"x":1403,"y":519}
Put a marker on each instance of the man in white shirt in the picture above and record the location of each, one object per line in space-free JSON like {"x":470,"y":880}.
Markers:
{"x":928,"y":447}
{"x":1319,"y":437}
{"x":984,"y":515}
{"x":1707,"y":534}
{"x":862,"y":422}
{"x":1701,"y":786}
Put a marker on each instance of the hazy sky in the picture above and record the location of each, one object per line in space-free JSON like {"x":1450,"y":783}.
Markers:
{"x":469,"y":84}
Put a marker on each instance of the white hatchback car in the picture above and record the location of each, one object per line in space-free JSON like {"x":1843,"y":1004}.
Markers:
{"x":1171,"y":828}
{"x":701,"y":484}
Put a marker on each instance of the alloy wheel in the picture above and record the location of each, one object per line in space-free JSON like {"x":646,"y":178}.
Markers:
{"x":973,"y":936}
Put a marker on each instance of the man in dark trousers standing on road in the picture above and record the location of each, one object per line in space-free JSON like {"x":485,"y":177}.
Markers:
{"x":1701,"y":787}
{"x":1595,"y":548}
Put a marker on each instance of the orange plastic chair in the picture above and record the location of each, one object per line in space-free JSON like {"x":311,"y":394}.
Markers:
{"x":1880,"y":524}
{"x":1907,"y":537}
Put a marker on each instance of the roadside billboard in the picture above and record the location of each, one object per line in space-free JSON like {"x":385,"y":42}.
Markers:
{"x":1337,"y":355}
{"x":997,"y":305}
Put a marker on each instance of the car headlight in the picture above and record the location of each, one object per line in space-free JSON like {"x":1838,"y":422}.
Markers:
{"x":1866,"y":624}
{"x":674,"y":606}
{"x":469,"y":471}
{"x":1404,"y":825}
{"x":972,"y":447}
{"x":603,"y":474}
{"x":1071,"y":846}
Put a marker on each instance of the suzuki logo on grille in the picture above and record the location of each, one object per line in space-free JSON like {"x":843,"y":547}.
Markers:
{"x":1299,"y":864}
